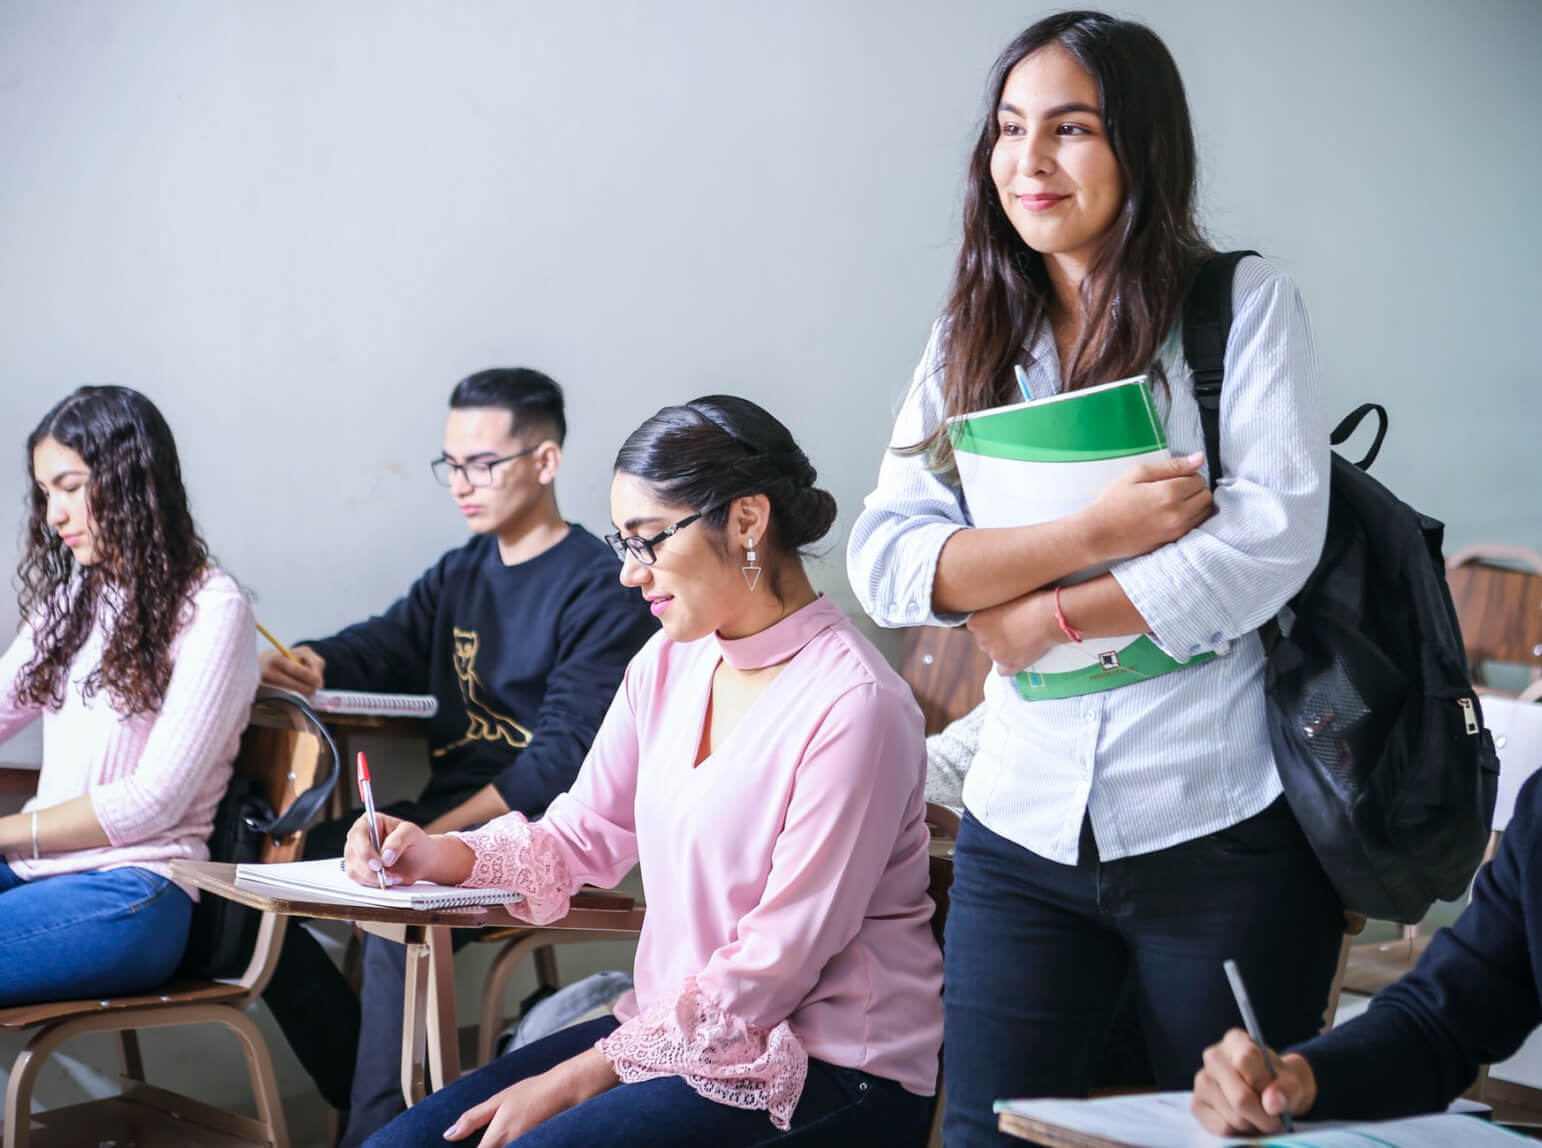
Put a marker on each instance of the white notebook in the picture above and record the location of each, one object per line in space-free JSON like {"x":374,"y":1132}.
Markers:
{"x":375,"y":705}
{"x":325,"y":881}
{"x":1162,"y":1120}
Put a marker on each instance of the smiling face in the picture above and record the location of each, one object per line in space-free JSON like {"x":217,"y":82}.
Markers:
{"x":517,"y":486}
{"x":64,"y":478}
{"x":1052,"y":164}
{"x":693,"y":587}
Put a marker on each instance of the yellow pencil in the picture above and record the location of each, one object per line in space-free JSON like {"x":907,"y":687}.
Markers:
{"x":283,"y":649}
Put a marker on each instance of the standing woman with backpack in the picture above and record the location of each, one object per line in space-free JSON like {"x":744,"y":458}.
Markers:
{"x":140,"y":658}
{"x":1138,"y":834}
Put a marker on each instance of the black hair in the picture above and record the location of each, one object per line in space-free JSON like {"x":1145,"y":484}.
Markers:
{"x":533,"y":399}
{"x":712,"y":450}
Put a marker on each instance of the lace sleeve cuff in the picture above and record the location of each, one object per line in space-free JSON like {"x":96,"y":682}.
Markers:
{"x":722,"y":1057}
{"x":513,"y":854}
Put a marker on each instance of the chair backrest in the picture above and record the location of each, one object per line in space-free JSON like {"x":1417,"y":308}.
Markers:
{"x":286,"y":752}
{"x":946,"y":671}
{"x":1497,"y":591}
{"x":283,"y":774}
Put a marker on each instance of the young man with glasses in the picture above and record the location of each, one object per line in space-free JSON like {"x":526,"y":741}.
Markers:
{"x":523,"y":634}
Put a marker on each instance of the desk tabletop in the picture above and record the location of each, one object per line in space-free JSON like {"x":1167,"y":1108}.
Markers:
{"x":596,"y":912}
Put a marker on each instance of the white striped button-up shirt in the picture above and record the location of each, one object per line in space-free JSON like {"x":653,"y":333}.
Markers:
{"x":1166,"y":760}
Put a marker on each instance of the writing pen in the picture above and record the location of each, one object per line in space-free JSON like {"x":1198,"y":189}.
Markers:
{"x":367,"y":795}
{"x":283,"y":649}
{"x":1250,"y":1018}
{"x":1022,"y":381}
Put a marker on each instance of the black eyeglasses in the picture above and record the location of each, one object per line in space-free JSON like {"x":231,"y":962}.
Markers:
{"x":642,"y":548}
{"x":476,"y":473}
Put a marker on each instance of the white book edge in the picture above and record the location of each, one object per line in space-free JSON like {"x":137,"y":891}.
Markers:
{"x":1059,"y":396}
{"x":324,"y":881}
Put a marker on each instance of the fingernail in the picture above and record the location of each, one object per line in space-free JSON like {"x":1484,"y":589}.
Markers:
{"x":452,"y":1131}
{"x":374,"y":863}
{"x":393,"y":879}
{"x":1197,"y":456}
{"x":389,"y":856}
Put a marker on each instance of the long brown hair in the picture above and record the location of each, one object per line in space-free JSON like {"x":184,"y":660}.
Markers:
{"x":1134,"y":289}
{"x":148,"y":551}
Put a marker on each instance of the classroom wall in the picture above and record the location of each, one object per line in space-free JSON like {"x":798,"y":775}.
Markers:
{"x":295,"y":225}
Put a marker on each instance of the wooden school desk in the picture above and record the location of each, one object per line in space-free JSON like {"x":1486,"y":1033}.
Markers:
{"x":428,"y":1017}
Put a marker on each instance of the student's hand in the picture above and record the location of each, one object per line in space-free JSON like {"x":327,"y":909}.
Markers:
{"x":1234,"y":1096}
{"x":1149,"y":506}
{"x":1018,"y":633}
{"x":407,"y":854}
{"x":304,"y":677}
{"x":509,"y":1114}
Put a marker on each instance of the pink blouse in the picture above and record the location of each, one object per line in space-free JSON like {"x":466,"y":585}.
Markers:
{"x":154,"y":779}
{"x":785,"y":875}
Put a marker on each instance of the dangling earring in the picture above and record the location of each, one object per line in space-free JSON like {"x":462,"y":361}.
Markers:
{"x":751,"y":571}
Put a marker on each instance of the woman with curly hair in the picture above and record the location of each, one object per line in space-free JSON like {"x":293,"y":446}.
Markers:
{"x":139,"y":656}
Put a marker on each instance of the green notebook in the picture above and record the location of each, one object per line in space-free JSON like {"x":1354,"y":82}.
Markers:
{"x":1039,"y":461}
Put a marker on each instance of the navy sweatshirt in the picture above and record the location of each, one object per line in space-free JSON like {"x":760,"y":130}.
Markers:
{"x":1472,"y":999}
{"x":524,"y":660}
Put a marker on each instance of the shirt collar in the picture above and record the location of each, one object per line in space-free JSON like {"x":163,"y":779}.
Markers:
{"x":779,"y":642}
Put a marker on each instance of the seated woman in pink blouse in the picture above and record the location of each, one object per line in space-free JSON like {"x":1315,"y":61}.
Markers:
{"x":765,"y":767}
{"x":140,"y":658}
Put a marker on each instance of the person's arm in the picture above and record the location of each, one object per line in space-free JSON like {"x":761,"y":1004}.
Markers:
{"x":727,"y":1030}
{"x":1472,"y":999}
{"x":588,"y":835}
{"x":915,"y":557}
{"x":389,"y":653}
{"x":207,"y":704}
{"x":602,"y":627}
{"x":15,"y":715}
{"x":1232,"y":573}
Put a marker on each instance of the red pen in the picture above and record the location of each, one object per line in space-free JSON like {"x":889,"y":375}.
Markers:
{"x":367,"y":795}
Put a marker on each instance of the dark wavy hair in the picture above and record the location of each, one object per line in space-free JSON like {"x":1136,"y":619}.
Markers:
{"x":712,"y":450}
{"x":146,"y":545}
{"x":1134,"y":289}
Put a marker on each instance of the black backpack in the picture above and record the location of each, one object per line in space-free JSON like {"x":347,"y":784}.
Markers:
{"x":1375,"y":727}
{"x":222,"y":933}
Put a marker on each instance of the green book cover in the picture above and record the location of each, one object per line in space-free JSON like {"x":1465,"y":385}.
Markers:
{"x":1039,"y":461}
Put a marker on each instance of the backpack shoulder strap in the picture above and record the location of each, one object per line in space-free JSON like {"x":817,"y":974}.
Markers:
{"x":1206,"y":327}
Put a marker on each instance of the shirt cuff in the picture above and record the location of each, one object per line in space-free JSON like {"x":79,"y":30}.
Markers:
{"x":909,"y":601}
{"x":722,"y":1057}
{"x":1175,"y":601}
{"x":513,"y":854}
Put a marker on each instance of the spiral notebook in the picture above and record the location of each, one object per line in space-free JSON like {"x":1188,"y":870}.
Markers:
{"x":325,"y":881}
{"x":374,"y":705}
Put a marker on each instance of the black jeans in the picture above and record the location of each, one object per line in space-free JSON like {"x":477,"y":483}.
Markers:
{"x":1037,"y":953}
{"x":308,"y":995}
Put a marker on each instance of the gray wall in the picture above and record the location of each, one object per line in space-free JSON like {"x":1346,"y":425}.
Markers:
{"x":296,"y":224}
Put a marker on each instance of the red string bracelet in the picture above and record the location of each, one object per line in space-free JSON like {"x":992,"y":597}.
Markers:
{"x":1065,"y":627}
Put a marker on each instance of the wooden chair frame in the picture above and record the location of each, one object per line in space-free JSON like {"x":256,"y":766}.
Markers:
{"x":287,"y":757}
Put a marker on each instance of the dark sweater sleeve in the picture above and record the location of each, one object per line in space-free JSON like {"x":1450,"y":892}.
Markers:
{"x":390,"y":652}
{"x":602,"y":625}
{"x":1471,"y":1000}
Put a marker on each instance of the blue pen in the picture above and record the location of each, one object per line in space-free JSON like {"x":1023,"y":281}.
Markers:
{"x":1022,"y":382}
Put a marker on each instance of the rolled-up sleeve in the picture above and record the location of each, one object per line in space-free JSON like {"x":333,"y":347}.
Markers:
{"x":1232,"y":573}
{"x":891,"y":558}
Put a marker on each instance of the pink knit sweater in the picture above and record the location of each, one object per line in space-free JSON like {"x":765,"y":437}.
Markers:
{"x":154,"y":778}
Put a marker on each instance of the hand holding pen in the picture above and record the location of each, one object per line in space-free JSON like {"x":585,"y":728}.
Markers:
{"x":367,"y":795}
{"x":1244,"y":1087}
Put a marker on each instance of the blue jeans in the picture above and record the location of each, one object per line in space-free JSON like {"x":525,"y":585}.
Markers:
{"x":1037,"y":954}
{"x":840,"y":1108}
{"x":103,"y":933}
